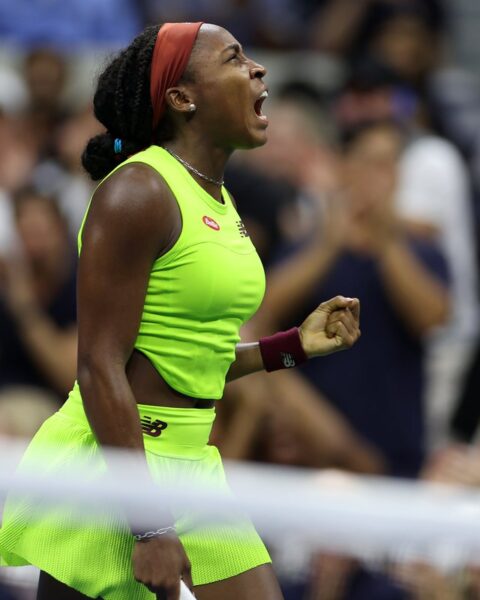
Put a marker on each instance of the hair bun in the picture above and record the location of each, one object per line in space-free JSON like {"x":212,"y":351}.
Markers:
{"x":99,"y":157}
{"x":104,"y":152}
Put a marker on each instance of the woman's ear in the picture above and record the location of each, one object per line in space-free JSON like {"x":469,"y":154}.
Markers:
{"x":180,"y":100}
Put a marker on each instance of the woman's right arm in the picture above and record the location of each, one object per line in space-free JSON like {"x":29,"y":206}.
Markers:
{"x":129,"y":224}
{"x":132,"y":220}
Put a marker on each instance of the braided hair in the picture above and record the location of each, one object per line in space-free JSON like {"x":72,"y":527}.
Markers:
{"x":122,"y":104}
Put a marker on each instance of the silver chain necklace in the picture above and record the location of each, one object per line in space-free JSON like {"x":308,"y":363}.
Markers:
{"x":188,"y":166}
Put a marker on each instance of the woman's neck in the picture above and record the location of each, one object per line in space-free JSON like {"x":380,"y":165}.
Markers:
{"x":205,"y":158}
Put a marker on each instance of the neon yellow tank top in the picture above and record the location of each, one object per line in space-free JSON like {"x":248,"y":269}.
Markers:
{"x":202,"y":290}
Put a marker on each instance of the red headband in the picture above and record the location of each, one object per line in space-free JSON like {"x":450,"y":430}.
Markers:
{"x":170,"y":57}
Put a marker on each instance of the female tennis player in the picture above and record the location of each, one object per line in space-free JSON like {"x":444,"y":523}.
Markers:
{"x":167,"y":276}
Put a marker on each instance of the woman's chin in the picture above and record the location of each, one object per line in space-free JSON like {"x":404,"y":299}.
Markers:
{"x":257,"y":139}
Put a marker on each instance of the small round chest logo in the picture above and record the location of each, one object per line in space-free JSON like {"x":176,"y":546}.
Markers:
{"x":211,"y":223}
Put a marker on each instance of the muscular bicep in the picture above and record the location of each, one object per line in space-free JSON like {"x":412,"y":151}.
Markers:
{"x":132,"y":220}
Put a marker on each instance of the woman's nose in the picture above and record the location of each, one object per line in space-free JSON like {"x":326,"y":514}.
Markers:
{"x":257,"y":70}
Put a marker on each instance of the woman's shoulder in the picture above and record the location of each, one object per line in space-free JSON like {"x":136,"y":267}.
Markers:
{"x":135,"y":191}
{"x":133,"y":203}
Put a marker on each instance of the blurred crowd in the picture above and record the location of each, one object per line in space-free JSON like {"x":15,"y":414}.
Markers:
{"x":369,"y":186}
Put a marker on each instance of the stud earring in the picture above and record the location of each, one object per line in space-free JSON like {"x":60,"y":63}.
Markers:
{"x":192,"y":107}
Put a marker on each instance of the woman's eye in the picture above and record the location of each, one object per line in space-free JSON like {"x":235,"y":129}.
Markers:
{"x":234,"y":57}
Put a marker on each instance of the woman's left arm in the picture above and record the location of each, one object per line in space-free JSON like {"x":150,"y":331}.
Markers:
{"x":333,"y":326}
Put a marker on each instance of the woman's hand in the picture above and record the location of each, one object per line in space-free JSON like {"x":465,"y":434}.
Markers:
{"x":334,"y":325}
{"x":159,"y":563}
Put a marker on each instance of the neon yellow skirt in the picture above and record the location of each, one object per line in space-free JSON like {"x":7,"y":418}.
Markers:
{"x":97,"y":560}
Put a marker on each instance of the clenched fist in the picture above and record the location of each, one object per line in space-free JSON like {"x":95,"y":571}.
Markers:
{"x":334,"y":325}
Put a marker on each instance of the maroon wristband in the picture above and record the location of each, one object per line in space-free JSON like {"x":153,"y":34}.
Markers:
{"x":283,"y":350}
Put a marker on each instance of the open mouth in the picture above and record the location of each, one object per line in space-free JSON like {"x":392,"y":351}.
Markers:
{"x":258,"y":105}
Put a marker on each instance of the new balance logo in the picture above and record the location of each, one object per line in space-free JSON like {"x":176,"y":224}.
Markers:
{"x":242,"y":229}
{"x":287,"y":359}
{"x":153,"y":428}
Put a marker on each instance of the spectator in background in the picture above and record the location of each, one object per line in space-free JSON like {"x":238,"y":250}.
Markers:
{"x":346,"y":28}
{"x":407,"y":41}
{"x":29,"y":134}
{"x":363,"y":247}
{"x":433,"y":200}
{"x":35,"y":149}
{"x":45,"y":76}
{"x":407,"y":37}
{"x":38,"y":333}
{"x":57,"y":134}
